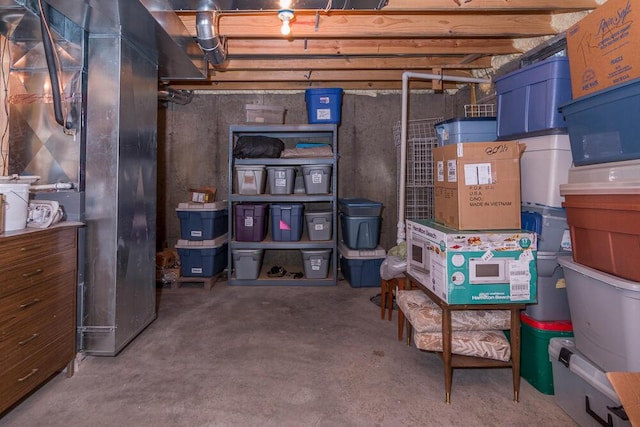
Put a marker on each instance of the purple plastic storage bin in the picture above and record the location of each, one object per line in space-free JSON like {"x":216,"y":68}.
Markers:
{"x":250,"y":222}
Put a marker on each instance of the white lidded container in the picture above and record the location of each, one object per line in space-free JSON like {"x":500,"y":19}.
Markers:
{"x":250,"y":179}
{"x":544,"y":165}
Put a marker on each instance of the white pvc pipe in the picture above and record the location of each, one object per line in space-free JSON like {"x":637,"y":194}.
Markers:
{"x":403,"y":135}
{"x":58,"y":186}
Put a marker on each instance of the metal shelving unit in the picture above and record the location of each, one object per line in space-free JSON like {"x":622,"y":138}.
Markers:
{"x":290,"y":135}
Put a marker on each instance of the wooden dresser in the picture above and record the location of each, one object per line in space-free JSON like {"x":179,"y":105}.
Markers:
{"x":38,"y":280}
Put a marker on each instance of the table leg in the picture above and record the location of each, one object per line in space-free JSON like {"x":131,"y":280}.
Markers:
{"x":515,"y":352}
{"x":384,"y":288}
{"x":446,"y":353}
{"x":392,"y":285}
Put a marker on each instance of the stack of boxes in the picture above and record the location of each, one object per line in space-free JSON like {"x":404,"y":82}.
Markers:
{"x":202,"y":246}
{"x":602,"y":201}
{"x":528,"y":102}
{"x":475,"y":251}
{"x":360,"y":253}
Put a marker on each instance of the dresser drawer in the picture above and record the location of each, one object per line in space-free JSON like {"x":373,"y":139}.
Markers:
{"x":23,"y":275}
{"x":31,"y":372}
{"x":35,"y":245}
{"x":34,"y":300}
{"x":24,"y":334}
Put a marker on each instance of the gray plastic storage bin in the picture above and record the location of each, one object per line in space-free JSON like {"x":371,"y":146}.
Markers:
{"x":605,"y":313}
{"x":281,"y":179}
{"x":576,"y":381}
{"x":247,"y":263}
{"x":316,"y":263}
{"x":552,"y":304}
{"x":360,"y":232}
{"x":317,"y":179}
{"x":319,"y":224}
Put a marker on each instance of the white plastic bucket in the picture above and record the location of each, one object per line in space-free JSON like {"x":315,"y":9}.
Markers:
{"x":16,"y":203}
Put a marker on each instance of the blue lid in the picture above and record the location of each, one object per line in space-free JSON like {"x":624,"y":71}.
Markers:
{"x":356,"y":201}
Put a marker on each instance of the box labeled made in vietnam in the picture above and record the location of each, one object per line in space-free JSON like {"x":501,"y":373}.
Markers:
{"x":477,"y":185}
{"x":478,"y":267}
{"x":603,"y":47}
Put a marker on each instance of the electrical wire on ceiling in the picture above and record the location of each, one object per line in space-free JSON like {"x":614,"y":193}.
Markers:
{"x":55,"y":68}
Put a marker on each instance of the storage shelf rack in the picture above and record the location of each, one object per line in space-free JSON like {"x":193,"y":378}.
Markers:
{"x":290,"y":135}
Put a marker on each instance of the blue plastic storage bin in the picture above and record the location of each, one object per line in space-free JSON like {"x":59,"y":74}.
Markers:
{"x":204,"y":258}
{"x":550,"y":226}
{"x":324,"y":105}
{"x":528,"y":99}
{"x":361,"y":268}
{"x":360,"y":232}
{"x":472,"y":129}
{"x":605,"y":126}
{"x":286,"y":221}
{"x":202,"y":221}
{"x":355,"y":206}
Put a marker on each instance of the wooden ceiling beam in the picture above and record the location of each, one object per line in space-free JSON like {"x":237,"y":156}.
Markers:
{"x":317,"y":75}
{"x":348,"y":24}
{"x":382,"y":46}
{"x":299,"y":86}
{"x":357,"y":63}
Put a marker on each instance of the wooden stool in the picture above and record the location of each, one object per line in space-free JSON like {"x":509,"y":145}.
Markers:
{"x":386,"y":294}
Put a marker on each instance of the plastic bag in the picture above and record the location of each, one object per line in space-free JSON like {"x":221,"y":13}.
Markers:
{"x":258,"y":146}
{"x":392,"y":266}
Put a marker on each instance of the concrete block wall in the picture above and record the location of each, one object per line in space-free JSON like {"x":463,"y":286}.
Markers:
{"x":193,"y":146}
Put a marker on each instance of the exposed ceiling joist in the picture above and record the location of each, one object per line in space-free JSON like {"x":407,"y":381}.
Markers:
{"x":369,"y":48}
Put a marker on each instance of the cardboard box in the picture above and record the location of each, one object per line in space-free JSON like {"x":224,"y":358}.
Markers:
{"x":603,"y":47}
{"x":478,"y":185}
{"x":477,"y":267}
{"x":627,"y":386}
{"x":202,"y":195}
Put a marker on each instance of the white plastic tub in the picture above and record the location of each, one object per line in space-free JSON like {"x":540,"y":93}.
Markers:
{"x":628,"y":170}
{"x":544,"y":165}
{"x":605,"y":313}
{"x":15,"y":205}
{"x":250,"y":179}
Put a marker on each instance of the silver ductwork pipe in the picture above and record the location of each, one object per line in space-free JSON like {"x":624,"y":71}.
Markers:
{"x":213,"y":48}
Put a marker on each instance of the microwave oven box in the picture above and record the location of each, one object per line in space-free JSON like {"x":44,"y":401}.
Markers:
{"x":478,"y":185}
{"x":475,"y":267}
{"x":603,"y":47}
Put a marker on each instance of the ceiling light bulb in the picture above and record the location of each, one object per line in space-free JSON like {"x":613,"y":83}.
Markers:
{"x":286,"y":16}
{"x":285,"y":4}
{"x":285,"y":29}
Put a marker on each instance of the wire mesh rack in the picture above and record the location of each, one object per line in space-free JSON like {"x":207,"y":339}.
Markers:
{"x":480,"y":110}
{"x":421,"y":139}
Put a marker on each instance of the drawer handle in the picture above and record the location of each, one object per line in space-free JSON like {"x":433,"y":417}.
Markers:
{"x":33,"y":273}
{"x":31,"y":247}
{"x":30,"y":303}
{"x":30,"y":374}
{"x":31,"y":338}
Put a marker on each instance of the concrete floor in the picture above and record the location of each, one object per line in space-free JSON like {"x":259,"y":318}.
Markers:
{"x":277,"y":356}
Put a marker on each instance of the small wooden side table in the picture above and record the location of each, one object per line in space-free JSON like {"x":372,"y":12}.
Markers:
{"x":452,"y":361}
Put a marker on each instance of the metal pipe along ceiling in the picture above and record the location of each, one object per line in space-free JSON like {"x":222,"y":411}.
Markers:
{"x":403,"y":135}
